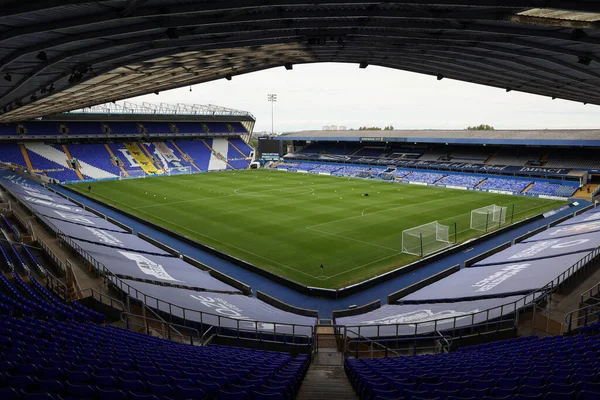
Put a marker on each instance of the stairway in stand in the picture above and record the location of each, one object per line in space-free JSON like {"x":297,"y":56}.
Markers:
{"x":325,"y":378}
{"x":528,"y":188}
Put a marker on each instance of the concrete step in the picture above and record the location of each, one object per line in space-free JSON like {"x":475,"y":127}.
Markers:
{"x":326,"y":382}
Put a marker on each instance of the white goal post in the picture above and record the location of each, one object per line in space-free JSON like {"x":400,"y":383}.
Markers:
{"x":183,"y":170}
{"x":426,"y":239}
{"x":132,"y":174}
{"x":489,"y":217}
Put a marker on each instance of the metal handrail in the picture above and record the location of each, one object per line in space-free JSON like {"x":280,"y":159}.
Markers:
{"x":57,"y":286}
{"x":569,"y":317}
{"x":594,"y":290}
{"x":111,"y":300}
{"x":171,"y":326}
{"x":414,"y":340}
{"x":445,"y":338}
{"x":205,"y":333}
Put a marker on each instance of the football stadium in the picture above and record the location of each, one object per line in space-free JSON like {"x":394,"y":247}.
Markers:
{"x":160,"y":251}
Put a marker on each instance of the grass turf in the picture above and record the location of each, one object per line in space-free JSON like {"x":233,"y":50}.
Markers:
{"x":290,"y":223}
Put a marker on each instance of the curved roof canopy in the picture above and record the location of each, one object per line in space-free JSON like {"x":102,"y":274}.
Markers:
{"x":59,"y":55}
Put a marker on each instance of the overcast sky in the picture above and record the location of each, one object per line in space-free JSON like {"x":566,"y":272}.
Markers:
{"x":313,"y":95}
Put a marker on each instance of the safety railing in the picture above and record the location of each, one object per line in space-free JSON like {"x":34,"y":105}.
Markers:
{"x":56,"y":286}
{"x":169,"y":331}
{"x":102,"y":298}
{"x":24,"y":224}
{"x":582,"y":317}
{"x":238,"y":328}
{"x":51,"y":254}
{"x":402,"y":346}
{"x":593,"y":292}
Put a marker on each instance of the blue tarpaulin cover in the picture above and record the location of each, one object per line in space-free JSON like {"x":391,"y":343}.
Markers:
{"x":39,"y":192}
{"x":52,"y":216}
{"x":495,"y":281}
{"x":568,"y":230}
{"x":108,"y":238}
{"x":589,"y":216}
{"x":231,"y":307}
{"x":465,"y":312}
{"x":540,"y":249}
{"x":129,"y":264}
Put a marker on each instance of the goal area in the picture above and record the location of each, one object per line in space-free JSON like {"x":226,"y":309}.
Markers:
{"x":132,"y":174}
{"x":140,"y":173}
{"x":180,"y":171}
{"x":426,"y":239}
{"x":489,"y":217}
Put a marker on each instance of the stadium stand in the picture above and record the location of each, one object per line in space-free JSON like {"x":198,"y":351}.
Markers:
{"x":316,"y":148}
{"x":323,"y":168}
{"x":582,"y":159}
{"x":461,"y":180}
{"x":538,"y":187}
{"x":356,"y":170}
{"x":57,"y":171}
{"x":553,"y":189}
{"x":517,"y":156}
{"x":95,"y":160}
{"x":554,"y":367}
{"x":21,"y":299}
{"x":505,"y":184}
{"x":11,"y":152}
{"x":369,"y":151}
{"x":426,"y":177}
{"x":78,"y":359}
{"x":342,"y":149}
{"x":474,"y":155}
{"x":198,"y":150}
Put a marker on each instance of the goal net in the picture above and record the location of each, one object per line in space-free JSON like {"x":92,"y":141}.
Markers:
{"x":180,"y":171}
{"x":489,"y":217}
{"x":426,"y":239}
{"x":132,"y":174}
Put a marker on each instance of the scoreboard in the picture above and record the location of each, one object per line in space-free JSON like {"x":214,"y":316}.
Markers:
{"x":269,"y":148}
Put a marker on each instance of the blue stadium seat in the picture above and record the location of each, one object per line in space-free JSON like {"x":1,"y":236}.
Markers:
{"x":111,"y":394}
{"x":588,"y":395}
{"x":9,"y":394}
{"x":232,"y":395}
{"x":50,"y":386}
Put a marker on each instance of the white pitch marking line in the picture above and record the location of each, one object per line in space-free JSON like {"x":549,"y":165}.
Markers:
{"x":363,"y":265}
{"x":230,"y":245}
{"x":349,"y":238}
{"x":376,"y":212}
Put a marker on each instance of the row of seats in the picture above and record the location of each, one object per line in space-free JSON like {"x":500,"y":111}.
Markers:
{"x":96,"y":161}
{"x":81,"y":360}
{"x":555,"y":367}
{"x":505,"y":184}
{"x":565,"y":189}
{"x":553,"y":189}
{"x":19,"y":298}
{"x":583,"y":159}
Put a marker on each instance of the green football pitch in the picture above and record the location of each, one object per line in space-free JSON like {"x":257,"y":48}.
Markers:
{"x":291,"y":223}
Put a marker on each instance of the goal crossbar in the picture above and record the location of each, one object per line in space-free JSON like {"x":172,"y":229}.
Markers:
{"x":488,"y":217}
{"x":426,"y":239}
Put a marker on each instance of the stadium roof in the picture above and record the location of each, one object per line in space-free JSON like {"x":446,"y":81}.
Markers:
{"x":554,"y":137}
{"x":60,"y":55}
